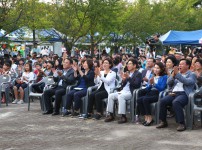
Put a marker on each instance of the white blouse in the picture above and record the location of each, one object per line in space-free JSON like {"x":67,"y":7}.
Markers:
{"x":29,"y":76}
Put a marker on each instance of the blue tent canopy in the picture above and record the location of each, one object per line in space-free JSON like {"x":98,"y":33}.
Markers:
{"x":50,"y":34}
{"x":182,"y":37}
{"x":26,"y":34}
{"x":2,"y":32}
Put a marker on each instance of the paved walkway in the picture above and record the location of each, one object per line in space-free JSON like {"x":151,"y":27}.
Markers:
{"x":23,"y":130}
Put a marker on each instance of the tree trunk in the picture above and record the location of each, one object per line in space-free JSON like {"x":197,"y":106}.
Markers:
{"x":34,"y":38}
{"x":92,"y":45}
{"x":68,"y":46}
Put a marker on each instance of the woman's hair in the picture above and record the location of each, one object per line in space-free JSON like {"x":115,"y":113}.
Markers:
{"x":60,"y":66}
{"x":30,"y":66}
{"x":162,"y":67}
{"x":199,"y":61}
{"x":109,"y":60}
{"x":76,"y":60}
{"x":90,"y":63}
{"x":97,"y":62}
{"x":116,"y":60}
{"x":173,"y":59}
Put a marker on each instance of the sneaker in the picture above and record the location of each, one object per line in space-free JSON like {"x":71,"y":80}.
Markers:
{"x":85,"y":116}
{"x":20,"y":102}
{"x":82,"y":116}
{"x":15,"y":101}
{"x":97,"y":116}
{"x":67,"y":113}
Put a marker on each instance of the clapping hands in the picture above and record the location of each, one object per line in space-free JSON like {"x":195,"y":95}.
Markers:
{"x":97,"y":71}
{"x":124,"y":75}
{"x":175,"y":71}
{"x":151,"y":81}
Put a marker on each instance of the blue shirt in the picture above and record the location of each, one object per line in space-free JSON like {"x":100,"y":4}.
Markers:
{"x":82,"y":83}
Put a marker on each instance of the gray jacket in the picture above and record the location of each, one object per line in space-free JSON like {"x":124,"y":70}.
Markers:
{"x":188,"y":81}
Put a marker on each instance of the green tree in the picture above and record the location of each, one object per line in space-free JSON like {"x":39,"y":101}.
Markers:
{"x":35,"y":16}
{"x":69,"y":18}
{"x":10,"y":14}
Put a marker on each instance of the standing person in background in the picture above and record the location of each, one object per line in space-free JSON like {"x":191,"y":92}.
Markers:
{"x":143,"y":61}
{"x":178,"y":56}
{"x":44,"y":51}
{"x":34,"y":60}
{"x":171,"y":51}
{"x":35,"y":49}
{"x":158,"y":45}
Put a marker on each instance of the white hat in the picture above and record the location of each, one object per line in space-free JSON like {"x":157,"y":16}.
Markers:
{"x":180,"y":53}
{"x":158,"y":57}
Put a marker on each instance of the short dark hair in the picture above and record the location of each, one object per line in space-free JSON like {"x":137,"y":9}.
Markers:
{"x":173,"y":59}
{"x":90,"y":63}
{"x":109,"y":60}
{"x":187,"y":61}
{"x":22,"y":59}
{"x":50,"y":62}
{"x":116,"y":61}
{"x":7,"y":64}
{"x":134,"y":61}
{"x":37,"y":64}
{"x":152,"y":59}
{"x":70,"y":60}
{"x":34,"y":53}
{"x":29,"y":61}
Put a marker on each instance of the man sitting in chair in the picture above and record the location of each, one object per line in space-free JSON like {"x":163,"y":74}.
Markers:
{"x":183,"y":81}
{"x":130,"y":80}
{"x":63,"y":79}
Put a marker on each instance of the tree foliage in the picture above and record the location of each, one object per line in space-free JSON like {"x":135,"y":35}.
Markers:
{"x":116,"y":21}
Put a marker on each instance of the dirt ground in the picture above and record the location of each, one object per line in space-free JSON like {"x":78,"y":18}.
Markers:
{"x":30,"y":130}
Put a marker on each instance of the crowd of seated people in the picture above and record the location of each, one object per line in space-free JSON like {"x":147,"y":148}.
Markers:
{"x":174,"y":73}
